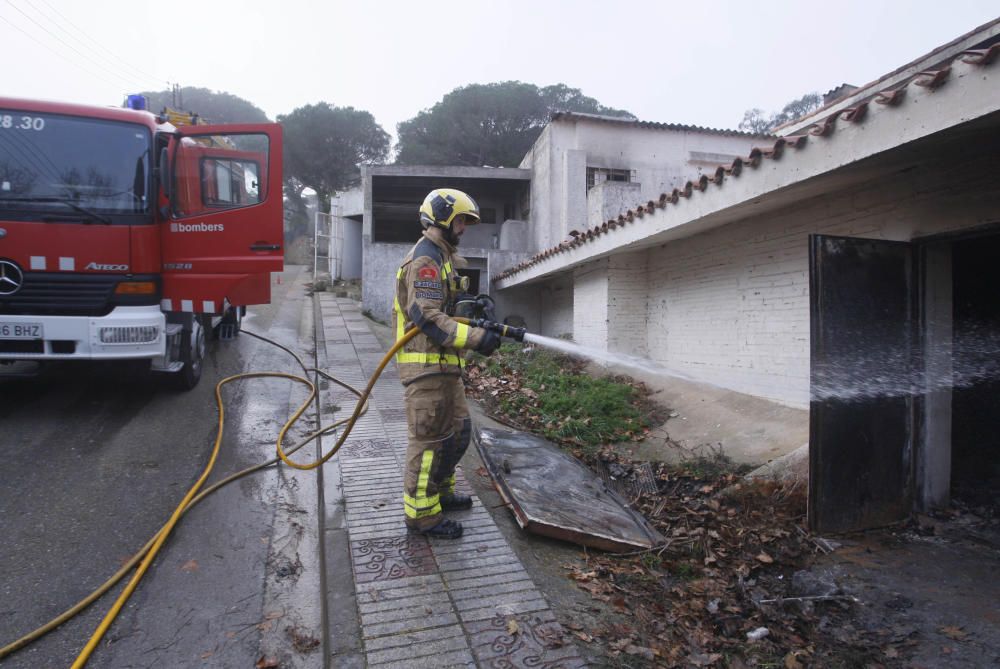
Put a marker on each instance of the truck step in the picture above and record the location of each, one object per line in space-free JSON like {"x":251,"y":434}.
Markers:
{"x":227,"y":331}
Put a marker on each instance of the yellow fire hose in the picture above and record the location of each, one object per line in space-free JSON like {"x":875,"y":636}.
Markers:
{"x":147,"y":553}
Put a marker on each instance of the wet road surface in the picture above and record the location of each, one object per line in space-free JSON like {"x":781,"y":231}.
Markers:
{"x":94,"y":460}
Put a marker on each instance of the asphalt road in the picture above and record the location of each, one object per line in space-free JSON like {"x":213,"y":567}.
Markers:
{"x":95,"y":459}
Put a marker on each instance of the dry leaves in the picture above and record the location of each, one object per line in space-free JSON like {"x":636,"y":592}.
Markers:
{"x":953,"y":632}
{"x":693,"y":600}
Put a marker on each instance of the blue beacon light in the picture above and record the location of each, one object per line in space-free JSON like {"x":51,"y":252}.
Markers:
{"x":137,"y":102}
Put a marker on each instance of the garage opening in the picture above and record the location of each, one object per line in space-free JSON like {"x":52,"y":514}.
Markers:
{"x":905,"y":367}
{"x":975,"y":414}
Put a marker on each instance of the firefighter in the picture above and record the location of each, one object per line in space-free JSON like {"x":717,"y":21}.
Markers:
{"x":430,"y":364}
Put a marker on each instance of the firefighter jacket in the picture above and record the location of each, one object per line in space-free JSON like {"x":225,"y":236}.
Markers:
{"x":425,"y":285}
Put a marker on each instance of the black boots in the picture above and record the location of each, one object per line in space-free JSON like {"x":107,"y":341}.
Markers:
{"x":446,"y":529}
{"x":455,"y":501}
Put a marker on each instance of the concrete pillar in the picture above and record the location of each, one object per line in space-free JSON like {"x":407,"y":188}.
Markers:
{"x":574,"y":187}
{"x":934,"y":450}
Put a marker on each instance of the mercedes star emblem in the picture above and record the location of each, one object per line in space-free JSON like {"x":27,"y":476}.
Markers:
{"x":11,"y":278}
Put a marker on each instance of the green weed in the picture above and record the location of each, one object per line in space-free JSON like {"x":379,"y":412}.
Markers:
{"x":564,"y":403}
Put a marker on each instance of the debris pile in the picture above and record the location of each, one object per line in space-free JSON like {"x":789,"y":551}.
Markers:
{"x":730,"y":585}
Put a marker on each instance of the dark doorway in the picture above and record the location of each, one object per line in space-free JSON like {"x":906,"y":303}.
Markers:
{"x":975,"y":447}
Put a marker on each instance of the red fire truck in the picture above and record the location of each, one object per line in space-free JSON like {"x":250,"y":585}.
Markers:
{"x":124,"y":235}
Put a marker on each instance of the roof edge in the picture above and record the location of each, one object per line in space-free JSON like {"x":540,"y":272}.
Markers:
{"x":676,"y":127}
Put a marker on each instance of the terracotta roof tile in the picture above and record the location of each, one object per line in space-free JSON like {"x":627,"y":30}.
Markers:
{"x":891,"y":98}
{"x":930,"y":79}
{"x":981,"y":56}
{"x":855,"y":114}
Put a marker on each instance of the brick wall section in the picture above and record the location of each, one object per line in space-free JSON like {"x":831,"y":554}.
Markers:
{"x":590,"y":304}
{"x":627,"y":303}
{"x":556,"y":309}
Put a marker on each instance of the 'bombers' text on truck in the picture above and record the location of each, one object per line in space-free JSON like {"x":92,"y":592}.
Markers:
{"x":124,"y":235}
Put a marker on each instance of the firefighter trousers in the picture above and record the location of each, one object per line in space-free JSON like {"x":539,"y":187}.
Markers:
{"x":439,"y":432}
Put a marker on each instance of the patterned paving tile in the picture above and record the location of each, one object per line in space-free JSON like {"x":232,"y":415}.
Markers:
{"x":393,"y":413}
{"x":533,"y":640}
{"x":387,"y":559}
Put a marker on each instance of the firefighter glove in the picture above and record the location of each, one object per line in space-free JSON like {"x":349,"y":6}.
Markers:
{"x":489,"y":343}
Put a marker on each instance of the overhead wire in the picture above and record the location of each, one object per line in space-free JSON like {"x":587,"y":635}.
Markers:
{"x":97,"y":43}
{"x":33,"y":154}
{"x":46,"y":46}
{"x":131,"y":82}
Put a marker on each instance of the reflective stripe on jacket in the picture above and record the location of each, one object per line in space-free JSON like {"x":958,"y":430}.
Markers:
{"x":422,"y":294}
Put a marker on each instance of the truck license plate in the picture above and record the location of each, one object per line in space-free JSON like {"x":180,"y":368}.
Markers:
{"x":20,"y":330}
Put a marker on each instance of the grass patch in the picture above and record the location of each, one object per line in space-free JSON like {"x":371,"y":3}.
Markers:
{"x":550,"y":393}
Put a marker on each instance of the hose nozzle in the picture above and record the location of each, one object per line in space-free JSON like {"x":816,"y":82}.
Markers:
{"x":517,"y":334}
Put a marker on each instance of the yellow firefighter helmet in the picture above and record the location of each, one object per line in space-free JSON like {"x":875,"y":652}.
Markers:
{"x":442,"y":205}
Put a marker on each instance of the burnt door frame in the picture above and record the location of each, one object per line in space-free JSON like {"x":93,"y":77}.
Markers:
{"x":864,"y":354}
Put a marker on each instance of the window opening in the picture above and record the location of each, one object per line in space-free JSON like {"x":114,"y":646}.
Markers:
{"x":598,"y":175}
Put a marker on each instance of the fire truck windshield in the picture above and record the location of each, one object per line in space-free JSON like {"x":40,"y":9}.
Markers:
{"x":64,"y":167}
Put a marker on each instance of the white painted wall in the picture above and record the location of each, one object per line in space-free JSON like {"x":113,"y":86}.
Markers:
{"x":382,"y":260}
{"x":590,"y":304}
{"x":608,"y":199}
{"x":555,"y":312}
{"x":628,"y":303}
{"x":662,"y":160}
{"x":351,"y":202}
{"x":378,"y":286}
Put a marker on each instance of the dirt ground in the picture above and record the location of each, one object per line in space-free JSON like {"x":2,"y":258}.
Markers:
{"x":930,"y":591}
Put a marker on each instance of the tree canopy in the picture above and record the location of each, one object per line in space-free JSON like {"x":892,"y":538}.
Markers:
{"x":325,"y":147}
{"x":212,"y":106}
{"x":757,"y":120}
{"x":488,"y":124}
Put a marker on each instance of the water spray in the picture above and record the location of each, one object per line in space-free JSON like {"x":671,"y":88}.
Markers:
{"x":479,"y":311}
{"x":635,"y":363}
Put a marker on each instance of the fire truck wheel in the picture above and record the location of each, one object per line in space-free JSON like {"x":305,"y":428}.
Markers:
{"x":192,"y":356}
